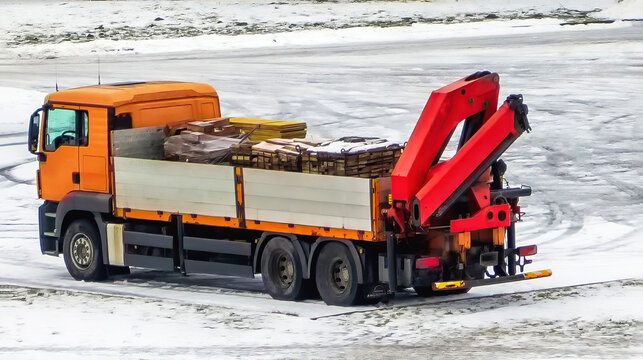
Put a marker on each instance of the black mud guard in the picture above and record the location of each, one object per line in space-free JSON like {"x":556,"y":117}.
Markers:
{"x":91,"y":202}
{"x":302,"y":251}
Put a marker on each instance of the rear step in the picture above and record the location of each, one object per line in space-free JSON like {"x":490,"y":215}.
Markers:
{"x":466,"y":284}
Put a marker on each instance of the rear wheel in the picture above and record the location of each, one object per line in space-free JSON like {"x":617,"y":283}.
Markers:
{"x":336,"y":276}
{"x":282,"y":271}
{"x":82,"y":251}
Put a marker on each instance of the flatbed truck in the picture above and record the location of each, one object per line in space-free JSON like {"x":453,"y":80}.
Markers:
{"x":438,"y":225}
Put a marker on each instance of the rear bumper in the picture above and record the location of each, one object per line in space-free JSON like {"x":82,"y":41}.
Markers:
{"x":467,"y":284}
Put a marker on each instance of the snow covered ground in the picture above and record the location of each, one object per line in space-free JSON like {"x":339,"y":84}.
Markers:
{"x":343,"y":74}
{"x":570,"y":322}
{"x":59,"y":29}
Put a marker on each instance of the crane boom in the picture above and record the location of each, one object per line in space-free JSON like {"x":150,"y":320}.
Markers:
{"x":428,"y":186}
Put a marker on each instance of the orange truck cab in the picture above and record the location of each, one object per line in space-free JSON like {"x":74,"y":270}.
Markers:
{"x":73,"y":146}
{"x":105,"y":211}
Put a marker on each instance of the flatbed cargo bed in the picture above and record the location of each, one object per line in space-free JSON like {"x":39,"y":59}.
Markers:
{"x":308,"y":203}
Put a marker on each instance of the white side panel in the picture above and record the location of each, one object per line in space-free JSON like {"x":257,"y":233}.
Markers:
{"x":175,"y":187}
{"x":307,"y":199}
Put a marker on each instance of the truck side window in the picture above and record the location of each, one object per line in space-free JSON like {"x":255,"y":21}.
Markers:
{"x":66,"y":127}
{"x":84,"y":126}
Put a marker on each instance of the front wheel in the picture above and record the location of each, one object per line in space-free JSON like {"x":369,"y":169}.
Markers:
{"x":82,"y":251}
{"x":336,"y":276}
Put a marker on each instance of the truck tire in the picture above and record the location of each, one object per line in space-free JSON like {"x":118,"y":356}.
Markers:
{"x":282,"y":271}
{"x":82,"y":251}
{"x":336,"y":276}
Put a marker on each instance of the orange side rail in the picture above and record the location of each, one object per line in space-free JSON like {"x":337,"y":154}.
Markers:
{"x":250,"y":225}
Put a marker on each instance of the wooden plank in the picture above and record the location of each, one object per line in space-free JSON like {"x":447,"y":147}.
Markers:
{"x":205,"y":127}
{"x":226,"y":131}
{"x":219,"y":122}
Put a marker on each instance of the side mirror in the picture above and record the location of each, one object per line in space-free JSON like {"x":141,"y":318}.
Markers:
{"x":34,"y":131}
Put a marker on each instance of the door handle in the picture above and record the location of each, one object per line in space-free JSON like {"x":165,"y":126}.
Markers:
{"x":75,"y":177}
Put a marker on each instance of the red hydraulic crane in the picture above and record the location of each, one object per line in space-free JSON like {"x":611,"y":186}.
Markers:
{"x":425,"y":186}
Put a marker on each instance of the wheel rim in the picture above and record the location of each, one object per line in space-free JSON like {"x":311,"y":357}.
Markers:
{"x":340,"y":275}
{"x":285,"y":269}
{"x":81,"y":251}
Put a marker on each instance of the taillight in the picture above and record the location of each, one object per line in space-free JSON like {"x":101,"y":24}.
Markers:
{"x":527,"y":250}
{"x":427,"y":262}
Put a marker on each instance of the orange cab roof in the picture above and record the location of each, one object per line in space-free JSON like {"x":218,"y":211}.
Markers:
{"x":126,"y":93}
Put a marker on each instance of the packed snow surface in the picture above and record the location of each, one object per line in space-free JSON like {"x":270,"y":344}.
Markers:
{"x":363,"y":69}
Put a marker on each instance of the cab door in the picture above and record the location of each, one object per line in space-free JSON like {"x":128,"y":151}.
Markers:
{"x":93,"y":152}
{"x":62,"y":133}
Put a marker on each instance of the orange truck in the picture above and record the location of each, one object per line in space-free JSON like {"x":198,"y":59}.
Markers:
{"x":438,"y":225}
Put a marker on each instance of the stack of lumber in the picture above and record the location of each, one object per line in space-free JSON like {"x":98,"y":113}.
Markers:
{"x":197,"y":147}
{"x":280,"y":154}
{"x":270,"y":129}
{"x":278,"y":145}
{"x":353,"y":156}
{"x":241,"y":154}
{"x":214,"y":126}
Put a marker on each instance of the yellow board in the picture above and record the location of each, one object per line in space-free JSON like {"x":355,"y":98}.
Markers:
{"x":246,"y":122}
{"x":270,"y":129}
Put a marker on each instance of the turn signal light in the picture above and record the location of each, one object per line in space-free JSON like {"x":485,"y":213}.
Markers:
{"x":527,"y":250}
{"x":427,"y":262}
